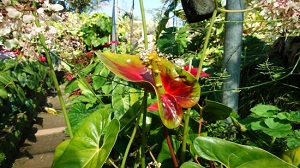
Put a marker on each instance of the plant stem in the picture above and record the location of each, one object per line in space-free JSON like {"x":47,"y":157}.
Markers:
{"x":261,"y":84}
{"x":169,"y":142}
{"x":200,"y":120}
{"x":131,"y":140}
{"x":53,"y":75}
{"x":185,"y":134}
{"x":144,"y":24}
{"x":212,"y":20}
{"x":271,"y":144}
{"x":144,"y":131}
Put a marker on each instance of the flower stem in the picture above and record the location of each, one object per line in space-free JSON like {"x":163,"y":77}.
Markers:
{"x":144,"y":131}
{"x":131,"y":140}
{"x":185,"y":134}
{"x":168,"y":139}
{"x":144,"y":24}
{"x":212,"y":20}
{"x":53,"y":75}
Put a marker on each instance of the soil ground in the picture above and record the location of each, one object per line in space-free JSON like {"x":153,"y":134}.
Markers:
{"x":38,"y":149}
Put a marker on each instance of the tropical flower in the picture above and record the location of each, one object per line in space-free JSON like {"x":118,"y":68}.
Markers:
{"x":175,"y":88}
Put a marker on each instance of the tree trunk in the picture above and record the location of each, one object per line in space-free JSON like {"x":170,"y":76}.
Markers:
{"x":232,"y":52}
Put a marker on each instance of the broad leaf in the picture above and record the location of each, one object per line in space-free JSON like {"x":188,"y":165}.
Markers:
{"x":190,"y":165}
{"x":234,"y":155}
{"x":292,"y":156}
{"x":213,"y":111}
{"x":90,"y":146}
{"x":291,"y":116}
{"x":264,"y":110}
{"x":273,"y":127}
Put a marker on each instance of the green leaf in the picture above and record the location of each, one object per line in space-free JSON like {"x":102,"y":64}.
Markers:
{"x":61,"y":148}
{"x":98,"y":81}
{"x":71,"y":86}
{"x":213,"y":111}
{"x":120,"y":101}
{"x":190,"y":165}
{"x":130,"y":116}
{"x":264,"y":110}
{"x":234,"y":155}
{"x":164,"y":156}
{"x":293,"y":116}
{"x":292,"y":156}
{"x":88,"y":148}
{"x":273,"y":127}
{"x":293,"y":140}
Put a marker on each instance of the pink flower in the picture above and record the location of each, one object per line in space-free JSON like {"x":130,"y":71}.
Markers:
{"x":194,"y":71}
{"x":42,"y":58}
{"x":69,"y":77}
{"x":90,"y":53}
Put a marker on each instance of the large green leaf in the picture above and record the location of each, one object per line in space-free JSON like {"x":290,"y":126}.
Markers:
{"x":190,"y":165}
{"x":213,"y":111}
{"x":234,"y":155}
{"x":292,"y":156}
{"x":90,"y":146}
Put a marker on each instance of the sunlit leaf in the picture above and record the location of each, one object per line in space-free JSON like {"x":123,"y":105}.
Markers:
{"x":90,"y":146}
{"x":292,"y":156}
{"x":234,"y":155}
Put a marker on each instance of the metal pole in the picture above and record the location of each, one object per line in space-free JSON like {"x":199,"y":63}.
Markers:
{"x":232,"y":52}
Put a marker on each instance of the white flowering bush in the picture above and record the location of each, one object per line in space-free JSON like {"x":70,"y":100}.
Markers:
{"x":277,"y":17}
{"x":18,"y":30}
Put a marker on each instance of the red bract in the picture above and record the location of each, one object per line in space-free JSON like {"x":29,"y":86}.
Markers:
{"x":175,"y":88}
{"x":194,"y":71}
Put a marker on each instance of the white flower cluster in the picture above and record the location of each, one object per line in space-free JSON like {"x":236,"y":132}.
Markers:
{"x":18,"y":28}
{"x":282,"y":16}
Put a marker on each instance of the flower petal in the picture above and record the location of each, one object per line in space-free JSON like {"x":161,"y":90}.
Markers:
{"x":171,"y":113}
{"x":128,"y":67}
{"x":179,"y":83}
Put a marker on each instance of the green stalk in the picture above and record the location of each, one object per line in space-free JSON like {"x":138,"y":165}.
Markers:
{"x":144,"y":24}
{"x":53,"y":75}
{"x":185,"y":134}
{"x":212,"y":20}
{"x":143,"y":146}
{"x":130,"y":141}
{"x":187,"y":115}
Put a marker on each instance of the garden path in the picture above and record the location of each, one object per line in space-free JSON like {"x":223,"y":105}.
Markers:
{"x":38,"y":149}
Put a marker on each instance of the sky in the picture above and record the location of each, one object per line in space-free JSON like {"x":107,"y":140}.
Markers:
{"x":126,"y":6}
